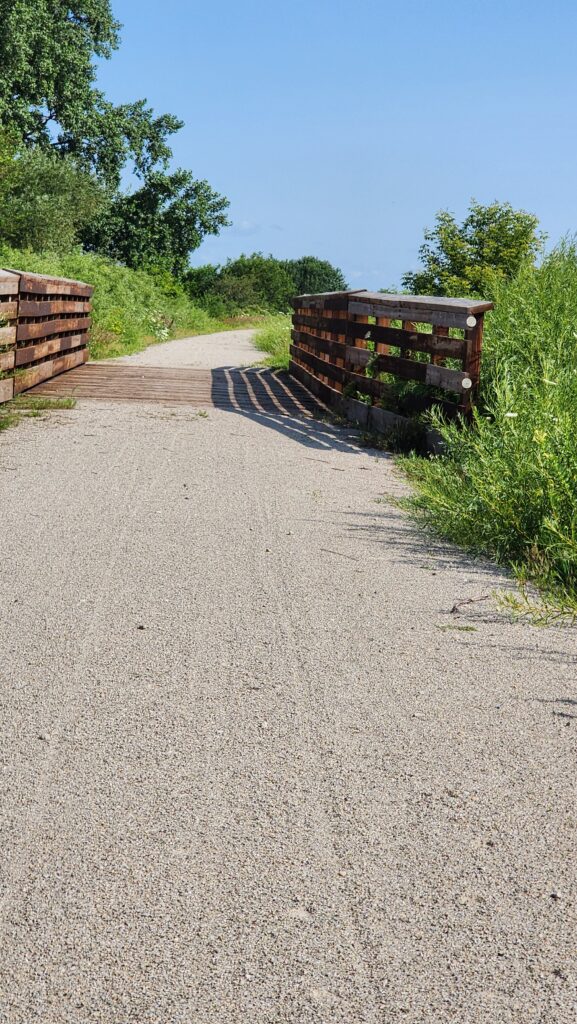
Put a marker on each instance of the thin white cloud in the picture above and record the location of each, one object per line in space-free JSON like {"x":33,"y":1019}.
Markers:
{"x":245,"y":227}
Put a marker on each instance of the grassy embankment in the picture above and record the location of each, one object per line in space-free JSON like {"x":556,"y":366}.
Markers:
{"x":131,"y":308}
{"x":507,"y":486}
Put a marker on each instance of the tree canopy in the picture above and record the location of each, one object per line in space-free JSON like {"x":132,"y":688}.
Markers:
{"x":48,"y":97}
{"x":45,"y":200}
{"x":261,"y":282}
{"x":249,"y":282}
{"x":493,"y":240}
{"x":160,"y":223}
{"x":312,"y":275}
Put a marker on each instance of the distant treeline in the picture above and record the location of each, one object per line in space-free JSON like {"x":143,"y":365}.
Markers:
{"x":259,"y":283}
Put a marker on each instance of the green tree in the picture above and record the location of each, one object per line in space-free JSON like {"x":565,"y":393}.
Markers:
{"x":45,"y":200}
{"x":457,"y":259}
{"x":48,"y":98}
{"x":159,"y":224}
{"x":201,"y":281}
{"x":256,"y":281}
{"x":312,"y":275}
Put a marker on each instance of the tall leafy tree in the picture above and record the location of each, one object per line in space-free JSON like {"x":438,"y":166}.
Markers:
{"x":492,"y":241}
{"x":49,"y":104}
{"x":160,"y":223}
{"x":45,"y":200}
{"x":48,"y":96}
{"x":312,"y":275}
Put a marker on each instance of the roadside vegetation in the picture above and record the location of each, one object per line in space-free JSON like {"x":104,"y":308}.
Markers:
{"x":30,"y":407}
{"x":506,"y":485}
{"x":273,"y":338}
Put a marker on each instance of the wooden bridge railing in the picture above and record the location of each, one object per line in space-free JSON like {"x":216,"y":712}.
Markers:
{"x":44,"y":324}
{"x":343,"y":342}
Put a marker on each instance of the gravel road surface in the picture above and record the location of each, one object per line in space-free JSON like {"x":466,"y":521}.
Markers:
{"x":207,"y":351}
{"x":254,"y":770}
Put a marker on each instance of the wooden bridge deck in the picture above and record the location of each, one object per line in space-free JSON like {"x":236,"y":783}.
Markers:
{"x":250,"y":389}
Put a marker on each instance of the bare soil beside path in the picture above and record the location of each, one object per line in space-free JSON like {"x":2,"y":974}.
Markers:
{"x":253,"y":768}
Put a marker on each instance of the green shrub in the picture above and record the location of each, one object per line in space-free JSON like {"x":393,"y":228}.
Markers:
{"x":507,"y":485}
{"x":258,"y":283}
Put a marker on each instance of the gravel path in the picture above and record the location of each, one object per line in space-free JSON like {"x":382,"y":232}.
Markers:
{"x":253,"y":769}
{"x":206,"y":351}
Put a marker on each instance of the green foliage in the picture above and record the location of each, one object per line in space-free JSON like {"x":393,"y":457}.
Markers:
{"x":201,"y":281}
{"x":160,"y":223}
{"x":50,"y":107}
{"x":260,"y":282}
{"x":45,"y":200}
{"x":311,"y":275}
{"x":253,"y":282}
{"x":28,"y":406}
{"x":471,"y":258}
{"x":131,"y":308}
{"x":48,"y":50}
{"x":508,"y":483}
{"x":274,"y":339}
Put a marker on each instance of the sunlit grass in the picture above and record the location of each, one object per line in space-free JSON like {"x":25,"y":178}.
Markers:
{"x":507,"y":485}
{"x":273,"y":338}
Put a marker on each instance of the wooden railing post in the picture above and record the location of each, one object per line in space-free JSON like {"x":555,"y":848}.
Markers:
{"x":8,"y":319}
{"x":472,"y":360}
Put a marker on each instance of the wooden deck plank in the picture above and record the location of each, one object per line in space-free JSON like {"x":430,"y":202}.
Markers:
{"x":250,"y":390}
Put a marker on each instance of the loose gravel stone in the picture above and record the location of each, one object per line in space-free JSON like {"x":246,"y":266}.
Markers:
{"x":291,"y":797}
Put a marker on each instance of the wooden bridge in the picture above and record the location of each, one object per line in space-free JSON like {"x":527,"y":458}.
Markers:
{"x":372,"y":356}
{"x":256,"y":390}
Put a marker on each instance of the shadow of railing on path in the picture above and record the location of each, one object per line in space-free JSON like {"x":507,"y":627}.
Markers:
{"x":279,"y":402}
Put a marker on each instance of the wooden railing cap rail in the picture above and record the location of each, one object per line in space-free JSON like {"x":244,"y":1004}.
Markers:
{"x":436,"y":303}
{"x":44,"y":284}
{"x":422,"y":302}
{"x":8,"y":283}
{"x":303,"y":300}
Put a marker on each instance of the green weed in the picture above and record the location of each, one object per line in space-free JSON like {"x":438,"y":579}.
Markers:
{"x":507,"y":485}
{"x":29,"y":406}
{"x":274,"y":338}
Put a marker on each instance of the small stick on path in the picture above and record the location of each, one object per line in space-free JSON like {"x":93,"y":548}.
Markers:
{"x":468,"y":600}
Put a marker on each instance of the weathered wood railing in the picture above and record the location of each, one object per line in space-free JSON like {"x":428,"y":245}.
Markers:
{"x":344,"y":342}
{"x":44,"y":324}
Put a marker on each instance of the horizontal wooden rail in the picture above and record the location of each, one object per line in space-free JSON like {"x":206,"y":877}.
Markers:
{"x":435,"y":344}
{"x":48,"y":307}
{"x":45,"y":328}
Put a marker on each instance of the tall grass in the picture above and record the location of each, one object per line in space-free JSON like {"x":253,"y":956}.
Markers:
{"x":273,"y":338}
{"x":507,"y":485}
{"x":131,"y":308}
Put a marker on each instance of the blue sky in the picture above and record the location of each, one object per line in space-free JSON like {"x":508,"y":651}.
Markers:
{"x":338,"y":129}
